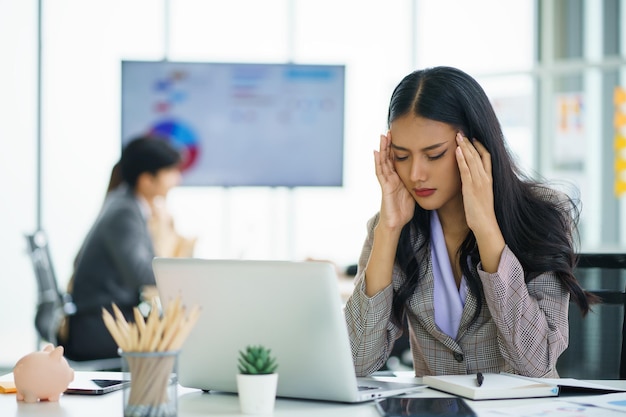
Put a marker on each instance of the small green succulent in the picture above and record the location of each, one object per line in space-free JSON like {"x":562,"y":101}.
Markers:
{"x":256,"y":360}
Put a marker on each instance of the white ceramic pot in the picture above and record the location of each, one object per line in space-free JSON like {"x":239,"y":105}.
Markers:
{"x":257,"y":393}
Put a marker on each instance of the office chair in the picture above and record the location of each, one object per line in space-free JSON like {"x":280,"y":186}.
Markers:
{"x":54,"y":305}
{"x":614,"y":261}
{"x":596,"y":339}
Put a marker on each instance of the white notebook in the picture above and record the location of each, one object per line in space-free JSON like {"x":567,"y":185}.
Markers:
{"x":506,"y":385}
{"x":494,"y":386}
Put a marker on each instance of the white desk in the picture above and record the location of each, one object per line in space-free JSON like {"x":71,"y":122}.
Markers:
{"x":194,"y":403}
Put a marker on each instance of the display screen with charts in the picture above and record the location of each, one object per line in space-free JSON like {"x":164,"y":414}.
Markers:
{"x":241,"y":124}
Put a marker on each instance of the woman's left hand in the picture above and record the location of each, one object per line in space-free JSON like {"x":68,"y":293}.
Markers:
{"x":475,"y":167}
{"x":474,"y":163}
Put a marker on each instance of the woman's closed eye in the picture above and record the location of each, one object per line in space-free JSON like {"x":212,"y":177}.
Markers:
{"x":400,"y":158}
{"x":437,"y":156}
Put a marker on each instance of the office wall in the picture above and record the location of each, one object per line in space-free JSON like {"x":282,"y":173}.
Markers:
{"x":379,"y":42}
{"x":17,"y":174}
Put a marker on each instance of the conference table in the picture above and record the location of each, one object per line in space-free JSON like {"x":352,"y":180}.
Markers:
{"x":195,"y":403}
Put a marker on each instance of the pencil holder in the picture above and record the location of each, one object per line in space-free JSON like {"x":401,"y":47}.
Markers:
{"x":153,"y":384}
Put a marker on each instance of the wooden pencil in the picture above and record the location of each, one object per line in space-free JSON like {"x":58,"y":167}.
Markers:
{"x":151,"y":374}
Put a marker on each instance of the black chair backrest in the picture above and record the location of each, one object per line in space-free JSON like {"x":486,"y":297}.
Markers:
{"x":49,"y":299}
{"x":53,"y":304}
{"x":601,"y":335}
{"x":602,"y":260}
{"x":614,"y":297}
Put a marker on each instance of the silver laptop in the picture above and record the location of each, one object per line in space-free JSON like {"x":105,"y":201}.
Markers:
{"x":293,"y":308}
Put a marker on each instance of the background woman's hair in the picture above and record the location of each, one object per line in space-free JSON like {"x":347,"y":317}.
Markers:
{"x":537,"y":223}
{"x":146,"y":154}
{"x":116,"y":177}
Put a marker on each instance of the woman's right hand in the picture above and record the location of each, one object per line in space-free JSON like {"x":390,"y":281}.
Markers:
{"x":396,"y":210}
{"x":398,"y":205}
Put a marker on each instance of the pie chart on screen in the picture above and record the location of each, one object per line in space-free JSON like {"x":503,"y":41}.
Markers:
{"x":182,"y":137}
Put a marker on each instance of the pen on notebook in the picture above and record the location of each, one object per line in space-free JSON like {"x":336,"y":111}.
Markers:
{"x":479,"y":379}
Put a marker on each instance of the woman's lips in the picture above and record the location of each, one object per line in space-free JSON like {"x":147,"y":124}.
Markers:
{"x":424,"y":192}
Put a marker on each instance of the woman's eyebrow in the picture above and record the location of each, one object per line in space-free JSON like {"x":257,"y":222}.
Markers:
{"x":426,"y":149}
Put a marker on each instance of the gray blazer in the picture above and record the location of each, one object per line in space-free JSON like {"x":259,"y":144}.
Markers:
{"x":115,"y":260}
{"x":522,"y":329}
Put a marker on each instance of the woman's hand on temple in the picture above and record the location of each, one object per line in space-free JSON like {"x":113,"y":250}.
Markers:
{"x":475,"y":167}
{"x":397,"y":204}
{"x":396,"y":209}
{"x":474,"y":163}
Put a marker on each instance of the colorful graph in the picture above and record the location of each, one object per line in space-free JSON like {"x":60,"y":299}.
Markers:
{"x":181,"y":137}
{"x":169,"y":92}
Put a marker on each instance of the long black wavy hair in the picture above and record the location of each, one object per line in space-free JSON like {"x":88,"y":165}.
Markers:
{"x":538,"y":230}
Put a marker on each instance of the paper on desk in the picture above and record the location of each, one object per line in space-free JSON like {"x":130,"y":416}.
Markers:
{"x":556,"y":408}
{"x":7,"y":387}
{"x":570,"y":385}
{"x":610,"y":401}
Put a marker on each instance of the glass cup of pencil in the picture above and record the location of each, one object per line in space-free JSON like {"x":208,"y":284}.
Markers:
{"x":153,"y":383}
{"x":149,"y":349}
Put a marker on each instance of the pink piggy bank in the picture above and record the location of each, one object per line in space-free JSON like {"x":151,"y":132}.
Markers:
{"x":42,"y":375}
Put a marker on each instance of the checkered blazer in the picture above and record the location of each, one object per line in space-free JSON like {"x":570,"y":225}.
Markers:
{"x":522,"y":328}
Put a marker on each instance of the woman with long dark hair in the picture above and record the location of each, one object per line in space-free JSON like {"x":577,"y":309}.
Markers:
{"x":476,"y":258}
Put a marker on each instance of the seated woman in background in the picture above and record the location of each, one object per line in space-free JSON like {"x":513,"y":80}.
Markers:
{"x":114,"y":264}
{"x":476,"y":258}
{"x":168,"y":242}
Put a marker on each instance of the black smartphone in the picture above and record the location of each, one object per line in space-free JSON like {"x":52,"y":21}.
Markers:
{"x":95,"y":386}
{"x":424,"y":407}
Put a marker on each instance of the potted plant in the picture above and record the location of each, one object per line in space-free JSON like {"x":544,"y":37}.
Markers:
{"x":257,"y":380}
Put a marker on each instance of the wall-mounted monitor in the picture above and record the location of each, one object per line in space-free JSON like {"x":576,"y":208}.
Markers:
{"x":241,"y":124}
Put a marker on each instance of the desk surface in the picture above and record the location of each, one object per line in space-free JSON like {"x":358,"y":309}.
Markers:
{"x":194,"y":403}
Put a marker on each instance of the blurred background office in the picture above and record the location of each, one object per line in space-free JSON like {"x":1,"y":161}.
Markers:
{"x":551,"y":69}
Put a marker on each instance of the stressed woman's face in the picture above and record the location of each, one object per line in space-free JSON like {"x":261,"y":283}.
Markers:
{"x":424,"y":158}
